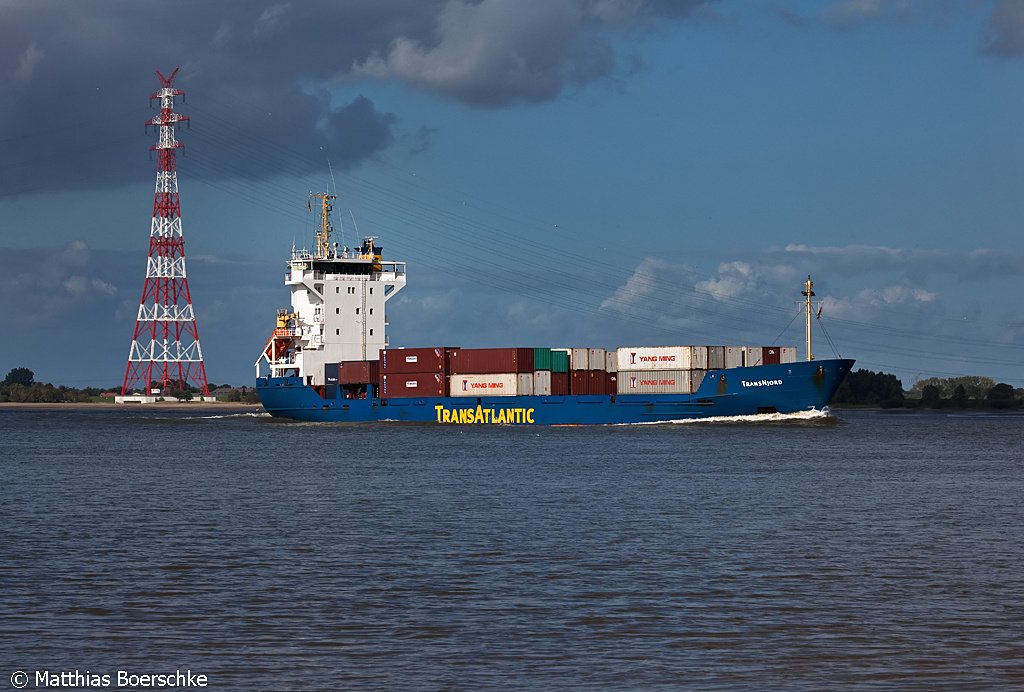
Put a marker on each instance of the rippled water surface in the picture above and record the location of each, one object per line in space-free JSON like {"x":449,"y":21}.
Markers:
{"x":871,"y":549}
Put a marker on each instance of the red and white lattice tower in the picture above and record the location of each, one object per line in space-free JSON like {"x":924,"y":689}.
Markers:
{"x":165,"y":348}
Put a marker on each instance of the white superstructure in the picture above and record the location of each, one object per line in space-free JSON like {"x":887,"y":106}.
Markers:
{"x":337,"y":313}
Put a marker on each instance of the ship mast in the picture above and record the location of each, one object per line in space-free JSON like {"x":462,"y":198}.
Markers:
{"x":808,"y":293}
{"x":323,"y":233}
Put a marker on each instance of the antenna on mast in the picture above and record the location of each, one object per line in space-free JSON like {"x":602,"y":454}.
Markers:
{"x":334,"y":184}
{"x":808,"y":293}
{"x":324,"y":229}
{"x":354,"y":224}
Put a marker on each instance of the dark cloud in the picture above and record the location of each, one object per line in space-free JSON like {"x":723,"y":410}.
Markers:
{"x":847,"y":15}
{"x":85,"y":301}
{"x":1005,"y":31}
{"x":495,"y":53}
{"x":256,"y":73}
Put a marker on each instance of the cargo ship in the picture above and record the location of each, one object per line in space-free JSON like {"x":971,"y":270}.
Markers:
{"x":328,"y":359}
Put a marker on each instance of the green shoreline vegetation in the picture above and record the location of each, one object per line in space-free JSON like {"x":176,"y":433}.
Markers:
{"x":860,"y":388}
{"x":879,"y":389}
{"x":20,"y":387}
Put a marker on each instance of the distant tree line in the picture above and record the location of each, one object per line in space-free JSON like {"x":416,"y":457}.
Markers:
{"x":20,"y":387}
{"x":860,"y":388}
{"x":867,"y":388}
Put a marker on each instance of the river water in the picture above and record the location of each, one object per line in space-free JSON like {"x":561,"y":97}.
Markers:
{"x":868,"y":549}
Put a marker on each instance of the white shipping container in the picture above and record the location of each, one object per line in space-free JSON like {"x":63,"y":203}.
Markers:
{"x":579,"y":359}
{"x":596,"y":358}
{"x":753,"y":355}
{"x":542,"y":383}
{"x":654,"y":382}
{"x":788,"y":354}
{"x":653,"y":358}
{"x":699,"y":357}
{"x":611,"y":362}
{"x":734,"y":356}
{"x":696,"y":377}
{"x":500,"y":384}
{"x":716,"y":357}
{"x":525,"y":384}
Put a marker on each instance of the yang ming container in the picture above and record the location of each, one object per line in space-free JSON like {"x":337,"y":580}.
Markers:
{"x":654,"y":382}
{"x":492,"y":384}
{"x":653,"y":358}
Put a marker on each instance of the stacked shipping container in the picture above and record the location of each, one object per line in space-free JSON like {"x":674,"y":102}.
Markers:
{"x":408,"y":372}
{"x":463,"y":372}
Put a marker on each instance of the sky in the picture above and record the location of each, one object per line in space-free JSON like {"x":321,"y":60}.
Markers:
{"x":555,"y":173}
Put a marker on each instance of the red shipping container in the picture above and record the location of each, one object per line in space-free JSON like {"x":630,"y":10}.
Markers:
{"x":482,"y":361}
{"x":771,"y":355}
{"x":359,"y":372}
{"x":559,"y":384}
{"x":609,"y":380}
{"x":413,"y":384}
{"x":588,"y":382}
{"x":413,"y":360}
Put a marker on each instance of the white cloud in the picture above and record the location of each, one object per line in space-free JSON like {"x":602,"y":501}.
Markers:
{"x":82,"y":287}
{"x":642,"y":284}
{"x":27,"y":63}
{"x":269,"y":20}
{"x":978,"y":264}
{"x":734,"y":279}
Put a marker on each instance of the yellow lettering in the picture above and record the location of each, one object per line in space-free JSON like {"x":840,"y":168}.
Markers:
{"x":480,"y":414}
{"x":500,"y":419}
{"x":447,"y":416}
{"x":529,"y":415}
{"x":439,"y":408}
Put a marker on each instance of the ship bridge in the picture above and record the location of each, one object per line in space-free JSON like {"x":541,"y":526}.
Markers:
{"x":337,"y":312}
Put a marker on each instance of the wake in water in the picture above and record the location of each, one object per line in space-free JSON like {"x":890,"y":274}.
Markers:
{"x":247,"y":414}
{"x":813,"y":416}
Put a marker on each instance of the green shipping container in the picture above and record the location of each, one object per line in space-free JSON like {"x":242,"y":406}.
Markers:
{"x":541,"y":359}
{"x":559,"y":361}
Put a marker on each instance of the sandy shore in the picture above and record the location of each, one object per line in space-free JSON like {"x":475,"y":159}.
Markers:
{"x":158,"y":406}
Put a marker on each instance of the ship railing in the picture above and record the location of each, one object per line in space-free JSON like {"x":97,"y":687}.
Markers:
{"x":397,"y":268}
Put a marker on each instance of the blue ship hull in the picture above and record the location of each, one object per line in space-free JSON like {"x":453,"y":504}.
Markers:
{"x":782,"y":388}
